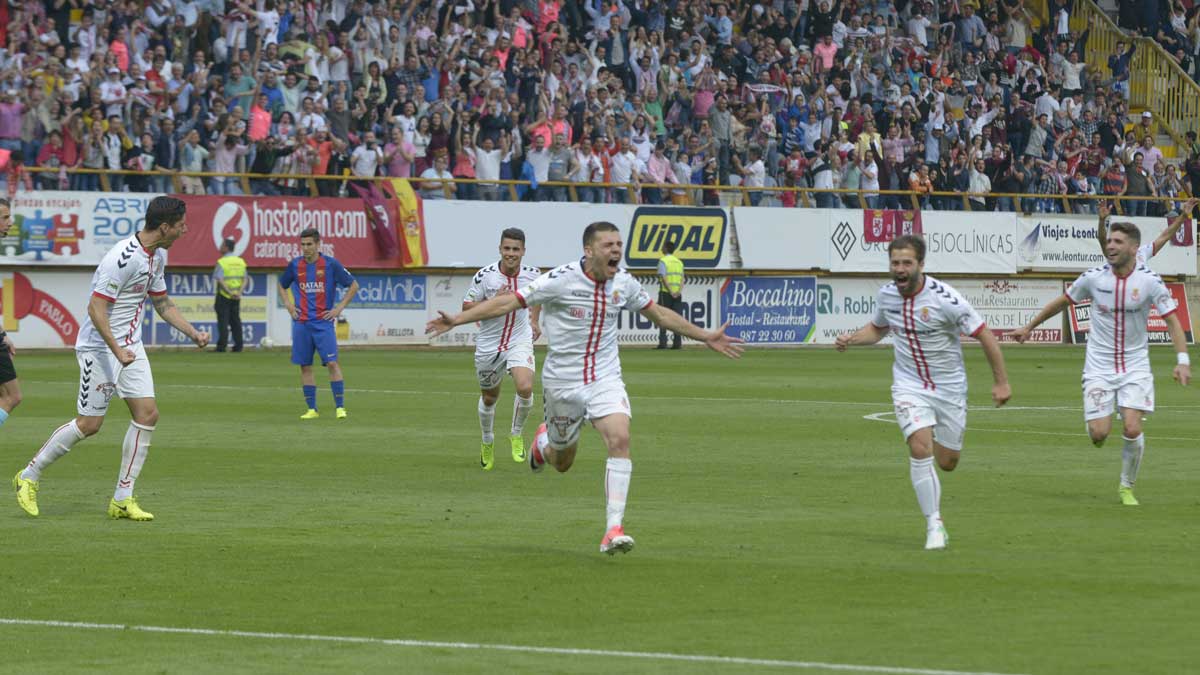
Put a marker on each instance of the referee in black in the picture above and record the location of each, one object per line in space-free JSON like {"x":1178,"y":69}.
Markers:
{"x":10,"y":387}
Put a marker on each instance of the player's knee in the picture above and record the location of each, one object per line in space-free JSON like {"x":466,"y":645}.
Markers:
{"x":89,"y":426}
{"x":10,"y":400}
{"x":1133,"y":428}
{"x":489,"y":397}
{"x":525,"y":391}
{"x":563,"y":459}
{"x":948,"y":462}
{"x":148,"y":417}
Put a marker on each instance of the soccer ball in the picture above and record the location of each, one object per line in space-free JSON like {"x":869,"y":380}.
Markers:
{"x":266,"y":342}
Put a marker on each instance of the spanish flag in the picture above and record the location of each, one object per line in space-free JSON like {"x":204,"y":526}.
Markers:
{"x":410,"y":217}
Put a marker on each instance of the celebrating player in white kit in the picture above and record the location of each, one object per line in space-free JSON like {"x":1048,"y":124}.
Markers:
{"x":582,"y":375}
{"x":112,"y":359}
{"x":1116,"y":368}
{"x":1150,"y":249}
{"x":504,"y":343}
{"x":929,"y":387}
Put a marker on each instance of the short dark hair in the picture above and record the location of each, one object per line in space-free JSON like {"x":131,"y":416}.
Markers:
{"x":311,"y":233}
{"x":1128,"y":229}
{"x":228,"y":244}
{"x":4,"y":202}
{"x":164,"y":210}
{"x":590,"y":232}
{"x":513,"y":233}
{"x":668,"y":247}
{"x":914,"y":241}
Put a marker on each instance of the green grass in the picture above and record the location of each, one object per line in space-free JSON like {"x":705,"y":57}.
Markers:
{"x":773,"y":522}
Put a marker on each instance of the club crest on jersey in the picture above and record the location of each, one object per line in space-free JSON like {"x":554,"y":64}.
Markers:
{"x":616,"y":297}
{"x":578,"y":312}
{"x":561,"y":424}
{"x":925,"y":314}
{"x":1134,"y":294}
{"x":320,"y":272}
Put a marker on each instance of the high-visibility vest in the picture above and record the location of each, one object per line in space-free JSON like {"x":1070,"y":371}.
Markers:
{"x":235,"y":274}
{"x":674,"y":273}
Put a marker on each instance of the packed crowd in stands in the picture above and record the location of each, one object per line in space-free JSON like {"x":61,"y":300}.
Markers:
{"x":948,"y":96}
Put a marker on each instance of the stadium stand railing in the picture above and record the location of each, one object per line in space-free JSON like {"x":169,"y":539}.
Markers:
{"x":675,"y":194}
{"x":1156,"y":82}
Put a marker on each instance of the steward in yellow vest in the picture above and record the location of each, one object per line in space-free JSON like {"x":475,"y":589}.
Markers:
{"x":670,"y":289}
{"x":229,"y":277}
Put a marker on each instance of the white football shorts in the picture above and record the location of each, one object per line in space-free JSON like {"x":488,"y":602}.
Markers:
{"x":565,"y":409}
{"x":915,"y":411}
{"x":490,"y":368}
{"x":1126,"y":390}
{"x":101,"y":375}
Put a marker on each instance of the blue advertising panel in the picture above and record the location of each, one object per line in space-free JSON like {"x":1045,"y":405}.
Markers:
{"x":770,"y":310}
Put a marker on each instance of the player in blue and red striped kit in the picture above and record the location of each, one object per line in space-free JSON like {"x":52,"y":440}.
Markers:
{"x":313,"y":280}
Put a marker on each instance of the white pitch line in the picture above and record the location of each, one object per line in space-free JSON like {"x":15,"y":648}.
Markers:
{"x":525,"y":649}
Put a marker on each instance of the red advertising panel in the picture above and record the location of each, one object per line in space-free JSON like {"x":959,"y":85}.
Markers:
{"x":1081,"y":318}
{"x":267,"y":231}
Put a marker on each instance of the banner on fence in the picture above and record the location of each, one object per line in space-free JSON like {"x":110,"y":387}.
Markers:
{"x":881,"y":226}
{"x":266,"y":231}
{"x":1081,"y":318}
{"x":37,"y":308}
{"x":1067,"y":243}
{"x":980,"y":244}
{"x":194,"y":293}
{"x":70,"y":228}
{"x":770,"y":310}
{"x":466,"y":234}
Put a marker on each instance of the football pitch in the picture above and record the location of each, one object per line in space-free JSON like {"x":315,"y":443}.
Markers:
{"x":775,"y":523}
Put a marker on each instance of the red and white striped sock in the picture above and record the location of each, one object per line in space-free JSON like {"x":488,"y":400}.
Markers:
{"x":133,"y":456}
{"x":59,"y":444}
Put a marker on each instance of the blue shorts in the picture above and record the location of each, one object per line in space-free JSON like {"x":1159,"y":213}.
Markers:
{"x":310,"y":336}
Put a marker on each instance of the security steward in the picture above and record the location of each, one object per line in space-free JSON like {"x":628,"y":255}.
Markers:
{"x":670,"y":289}
{"x":230,"y":276}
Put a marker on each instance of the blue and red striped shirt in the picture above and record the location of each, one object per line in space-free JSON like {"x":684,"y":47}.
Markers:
{"x":314,"y":285}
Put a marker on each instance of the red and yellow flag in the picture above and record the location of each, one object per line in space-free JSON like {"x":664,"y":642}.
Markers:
{"x":410,"y":218}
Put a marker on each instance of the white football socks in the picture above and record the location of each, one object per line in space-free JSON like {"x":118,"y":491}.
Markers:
{"x":928,"y":488}
{"x":616,"y":488}
{"x":1131,"y":459}
{"x":59,"y":444}
{"x":133,"y":456}
{"x":487,"y":420}
{"x":521,"y":408}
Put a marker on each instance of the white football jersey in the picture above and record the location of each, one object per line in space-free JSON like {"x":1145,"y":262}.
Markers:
{"x":926,"y":330}
{"x":1145,"y":253}
{"x":498,"y":334}
{"x":1117,"y":340}
{"x":579,"y":318}
{"x":126,"y":275}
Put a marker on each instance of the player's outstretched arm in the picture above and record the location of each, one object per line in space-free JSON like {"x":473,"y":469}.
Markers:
{"x":1183,"y":365}
{"x":1185,"y":213}
{"x":1101,"y":228}
{"x":166,"y":308}
{"x":1051,"y":309}
{"x":867,"y":335}
{"x":716,"y":340}
{"x":488,"y":309}
{"x":98,"y":309}
{"x":1001,"y":390}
